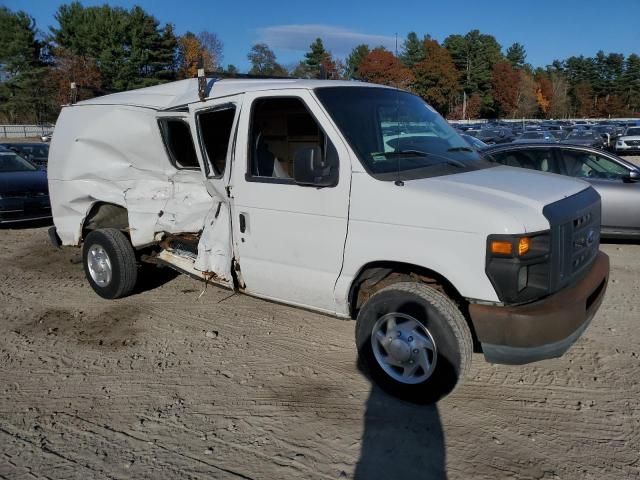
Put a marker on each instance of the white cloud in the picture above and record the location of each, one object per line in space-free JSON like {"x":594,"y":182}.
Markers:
{"x":340,"y":41}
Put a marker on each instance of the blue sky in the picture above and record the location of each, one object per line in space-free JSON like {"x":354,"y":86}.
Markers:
{"x":548,"y":29}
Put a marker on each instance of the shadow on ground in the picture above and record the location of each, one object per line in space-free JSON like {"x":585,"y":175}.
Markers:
{"x":400,"y":440}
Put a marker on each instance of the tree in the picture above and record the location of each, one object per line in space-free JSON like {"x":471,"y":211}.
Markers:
{"x":505,"y":82}
{"x":412,"y":50}
{"x":355,"y":59}
{"x":559,"y":106}
{"x":474,"y":55}
{"x":383,"y":67}
{"x":22,"y":97}
{"x":631,"y":84}
{"x":543,"y":92}
{"x":129,"y":46}
{"x":81,"y":70}
{"x":583,"y":99}
{"x":213,"y":46}
{"x":263,"y":61}
{"x":318,"y":59}
{"x":526,"y":104}
{"x":231,"y":69}
{"x":192,"y":56}
{"x":436,"y":78}
{"x":516,"y":56}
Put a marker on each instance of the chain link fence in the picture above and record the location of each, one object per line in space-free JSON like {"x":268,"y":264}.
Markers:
{"x":24,"y":131}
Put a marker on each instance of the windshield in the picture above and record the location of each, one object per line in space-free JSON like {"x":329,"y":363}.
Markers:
{"x":633,"y":131}
{"x":581,"y":134}
{"x":396,"y":135}
{"x":33,"y":150}
{"x":532,"y":135}
{"x":11,"y":162}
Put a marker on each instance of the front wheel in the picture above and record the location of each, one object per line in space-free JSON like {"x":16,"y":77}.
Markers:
{"x":110,"y":263}
{"x":414,"y":341}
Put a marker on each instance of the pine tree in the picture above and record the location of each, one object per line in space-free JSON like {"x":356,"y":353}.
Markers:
{"x":516,"y":56}
{"x":412,"y":50}
{"x":631,"y":82}
{"x":355,"y":59}
{"x":21,"y":92}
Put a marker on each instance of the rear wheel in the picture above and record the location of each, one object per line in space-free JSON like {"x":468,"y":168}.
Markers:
{"x":110,"y":263}
{"x":414,"y":341}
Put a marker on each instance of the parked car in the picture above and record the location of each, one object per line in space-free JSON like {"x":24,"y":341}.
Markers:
{"x":495,"y":135}
{"x":616,"y":180}
{"x":538,"y":135}
{"x":37,"y":153}
{"x":587,"y":138}
{"x":24,"y":192}
{"x":474,"y":142}
{"x":347,"y":198}
{"x":629,"y":142}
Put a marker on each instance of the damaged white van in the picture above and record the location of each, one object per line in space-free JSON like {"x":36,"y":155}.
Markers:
{"x":346,"y":198}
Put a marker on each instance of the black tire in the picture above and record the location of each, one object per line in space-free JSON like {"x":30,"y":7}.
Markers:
{"x":444,"y":322}
{"x":124,"y":268}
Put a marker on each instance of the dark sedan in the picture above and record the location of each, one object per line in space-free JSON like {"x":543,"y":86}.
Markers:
{"x":616,"y":180}
{"x":24,"y":193}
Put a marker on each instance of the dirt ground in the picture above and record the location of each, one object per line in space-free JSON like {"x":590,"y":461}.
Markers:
{"x":169,"y":383}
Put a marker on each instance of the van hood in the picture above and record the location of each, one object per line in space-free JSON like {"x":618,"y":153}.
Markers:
{"x":515,"y":185}
{"x":488,"y":201}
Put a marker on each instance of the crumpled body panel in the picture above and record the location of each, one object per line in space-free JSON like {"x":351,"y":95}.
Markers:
{"x":115,"y":154}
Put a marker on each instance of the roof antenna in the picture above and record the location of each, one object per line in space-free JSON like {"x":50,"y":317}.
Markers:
{"x":202,"y":85}
{"x":73,"y":96}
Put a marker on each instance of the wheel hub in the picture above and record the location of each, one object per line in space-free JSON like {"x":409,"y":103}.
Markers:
{"x":404,"y":348}
{"x":400,"y":350}
{"x":99,"y":265}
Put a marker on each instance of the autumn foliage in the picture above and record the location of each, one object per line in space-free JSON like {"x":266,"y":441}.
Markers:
{"x":383,"y":67}
{"x":436,"y":77}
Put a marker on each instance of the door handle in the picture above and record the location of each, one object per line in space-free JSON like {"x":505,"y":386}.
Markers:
{"x":243,"y":223}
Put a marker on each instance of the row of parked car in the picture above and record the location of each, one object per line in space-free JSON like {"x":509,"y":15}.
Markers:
{"x":581,"y":150}
{"x":620,"y":136}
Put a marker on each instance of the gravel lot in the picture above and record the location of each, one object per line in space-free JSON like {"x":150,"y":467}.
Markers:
{"x":170,"y":383}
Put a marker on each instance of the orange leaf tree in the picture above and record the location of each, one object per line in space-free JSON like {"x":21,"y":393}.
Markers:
{"x":504,"y":88}
{"x":383,"y":67}
{"x":436,"y":77}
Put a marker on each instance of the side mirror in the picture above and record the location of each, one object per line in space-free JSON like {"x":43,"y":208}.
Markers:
{"x":634,"y":176}
{"x":309,"y":168}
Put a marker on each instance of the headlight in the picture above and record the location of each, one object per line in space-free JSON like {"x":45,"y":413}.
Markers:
{"x":519,"y":266}
{"x":620,"y":143}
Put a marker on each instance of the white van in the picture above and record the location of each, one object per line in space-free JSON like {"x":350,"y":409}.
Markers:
{"x":346,"y":198}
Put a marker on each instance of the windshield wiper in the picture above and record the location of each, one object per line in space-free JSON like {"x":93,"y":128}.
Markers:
{"x":420,"y":153}
{"x":459,"y":149}
{"x":397,"y":153}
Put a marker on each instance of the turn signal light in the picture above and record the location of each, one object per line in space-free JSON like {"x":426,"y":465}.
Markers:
{"x":523,"y":246}
{"x":502,"y":248}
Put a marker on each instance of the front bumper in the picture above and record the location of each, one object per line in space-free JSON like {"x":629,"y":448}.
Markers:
{"x":542,"y":329}
{"x":627,"y":148}
{"x":24,"y":209}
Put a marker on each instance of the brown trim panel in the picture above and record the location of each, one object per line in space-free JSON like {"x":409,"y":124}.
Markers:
{"x":550,"y":320}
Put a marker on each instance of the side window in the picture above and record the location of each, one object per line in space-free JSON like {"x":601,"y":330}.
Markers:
{"x":280,"y":128}
{"x":179,"y":144}
{"x":591,"y":165}
{"x":214,"y":129}
{"x":534,"y":159}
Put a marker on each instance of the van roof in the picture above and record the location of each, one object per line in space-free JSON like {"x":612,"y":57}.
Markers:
{"x":169,"y":96}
